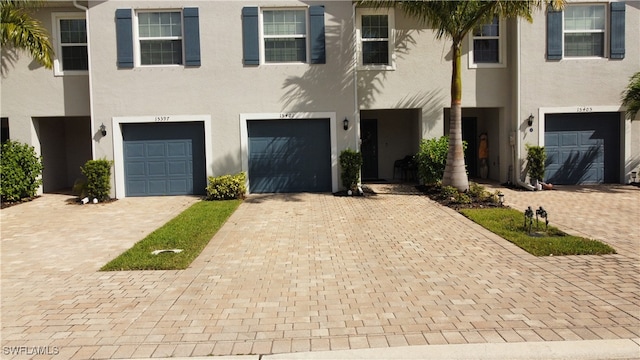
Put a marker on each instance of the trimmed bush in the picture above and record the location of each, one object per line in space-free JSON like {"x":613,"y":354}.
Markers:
{"x":432,"y":159}
{"x":98,"y":173}
{"x":20,"y":171}
{"x":227,"y":187}
{"x":536,"y":157}
{"x":350,"y":162}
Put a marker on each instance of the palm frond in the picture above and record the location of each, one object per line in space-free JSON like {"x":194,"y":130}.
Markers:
{"x":22,"y":31}
{"x":631,"y":96}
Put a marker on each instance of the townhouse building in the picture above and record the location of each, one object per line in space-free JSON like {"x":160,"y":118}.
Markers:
{"x":175,"y":91}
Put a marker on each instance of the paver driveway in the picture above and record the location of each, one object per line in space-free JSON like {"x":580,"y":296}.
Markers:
{"x":296,"y":273}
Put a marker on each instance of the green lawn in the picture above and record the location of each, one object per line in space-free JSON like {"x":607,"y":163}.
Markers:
{"x":509,"y":224}
{"x":190,"y":231}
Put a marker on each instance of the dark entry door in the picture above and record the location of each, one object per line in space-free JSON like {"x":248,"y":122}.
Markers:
{"x":369,"y":148}
{"x":470,"y":135}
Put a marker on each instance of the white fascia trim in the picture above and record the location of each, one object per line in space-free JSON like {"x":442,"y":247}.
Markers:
{"x":244,"y":137}
{"x":118,"y":150}
{"x":578,"y":109}
{"x":57,"y":44}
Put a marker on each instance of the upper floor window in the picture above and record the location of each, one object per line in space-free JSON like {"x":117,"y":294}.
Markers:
{"x":375,"y":35}
{"x":71,"y":34}
{"x":285,"y":36}
{"x":584,"y":30}
{"x":160,"y":38}
{"x":487,"y":44}
{"x":591,"y":30}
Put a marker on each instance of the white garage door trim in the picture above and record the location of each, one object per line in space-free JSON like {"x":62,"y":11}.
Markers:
{"x":118,"y":152}
{"x":244,"y":137}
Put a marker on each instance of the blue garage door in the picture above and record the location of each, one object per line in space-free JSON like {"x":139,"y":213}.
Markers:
{"x":582,"y":148}
{"x":164,"y":159}
{"x":289,"y":155}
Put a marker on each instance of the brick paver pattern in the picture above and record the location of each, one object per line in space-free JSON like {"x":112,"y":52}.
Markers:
{"x":311,"y":272}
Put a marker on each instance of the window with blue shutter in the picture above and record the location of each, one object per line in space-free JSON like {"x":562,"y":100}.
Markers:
{"x":617,"y":30}
{"x":284,"y":37}
{"x":316,"y":35}
{"x":250,"y":36}
{"x":124,"y":38}
{"x":162,"y":37}
{"x":554,"y":34}
{"x":191,"y":36}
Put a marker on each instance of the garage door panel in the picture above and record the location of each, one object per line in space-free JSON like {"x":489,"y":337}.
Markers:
{"x":157,"y":149}
{"x":289,"y":155}
{"x":164,"y":159}
{"x":587,"y":146}
{"x":156,"y":168}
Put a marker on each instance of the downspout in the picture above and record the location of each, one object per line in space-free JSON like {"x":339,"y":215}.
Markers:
{"x":89,"y":62}
{"x":356,"y":108}
{"x":516,"y":133}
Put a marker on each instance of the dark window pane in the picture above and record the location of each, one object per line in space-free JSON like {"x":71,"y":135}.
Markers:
{"x":285,"y":50}
{"x":486,"y":51}
{"x":375,"y":53}
{"x":375,"y":27}
{"x":74,"y":58}
{"x":584,"y":44}
{"x":161,"y":52}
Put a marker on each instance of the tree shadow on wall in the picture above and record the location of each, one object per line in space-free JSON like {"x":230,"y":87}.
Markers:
{"x":575,"y":169}
{"x":301,"y":93}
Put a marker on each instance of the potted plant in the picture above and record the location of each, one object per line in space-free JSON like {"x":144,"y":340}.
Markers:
{"x":536,"y":158}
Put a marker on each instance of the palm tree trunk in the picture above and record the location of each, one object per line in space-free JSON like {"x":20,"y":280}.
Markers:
{"x":455,"y":172}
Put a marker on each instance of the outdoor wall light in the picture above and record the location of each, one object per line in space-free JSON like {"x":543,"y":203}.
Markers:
{"x":345,"y":124}
{"x":530,"y":120}
{"x":103,"y":130}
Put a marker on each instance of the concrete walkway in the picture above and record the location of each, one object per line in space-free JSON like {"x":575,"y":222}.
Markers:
{"x":304,"y":273}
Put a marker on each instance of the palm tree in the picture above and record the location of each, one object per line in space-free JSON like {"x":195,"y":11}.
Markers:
{"x":21,"y":31}
{"x":454,"y":20}
{"x":631,"y":96}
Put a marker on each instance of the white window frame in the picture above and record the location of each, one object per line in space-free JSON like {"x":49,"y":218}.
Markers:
{"x":137,"y":53}
{"x":391,"y":39}
{"x":263,"y":36}
{"x":605,"y":31}
{"x":502,"y":47}
{"x":57,"y":42}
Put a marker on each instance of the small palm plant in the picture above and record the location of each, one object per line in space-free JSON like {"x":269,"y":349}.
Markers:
{"x":631,"y":96}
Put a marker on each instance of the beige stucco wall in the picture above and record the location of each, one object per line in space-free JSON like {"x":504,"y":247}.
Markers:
{"x":30,"y":90}
{"x":573,"y":85}
{"x":222,"y":86}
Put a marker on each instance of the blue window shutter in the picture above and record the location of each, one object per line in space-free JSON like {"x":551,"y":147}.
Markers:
{"x":554,"y":34}
{"x":124,"y":38}
{"x":617,"y":30}
{"x":250,"y":40}
{"x":191,"y":25}
{"x":316,"y":35}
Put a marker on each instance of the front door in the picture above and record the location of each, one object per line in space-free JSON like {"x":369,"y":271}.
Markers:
{"x":369,"y":148}
{"x":469,"y":134}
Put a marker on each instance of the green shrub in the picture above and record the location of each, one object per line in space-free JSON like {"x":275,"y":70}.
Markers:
{"x":432,"y":159}
{"x":98,"y":173}
{"x":350,"y":162}
{"x":227,"y":187}
{"x":536,"y":158}
{"x":20,"y":171}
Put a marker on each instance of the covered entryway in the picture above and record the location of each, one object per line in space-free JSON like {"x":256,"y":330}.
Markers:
{"x":582,"y":148}
{"x":289,"y":155}
{"x":65,"y":146}
{"x":164,"y":159}
{"x":388,"y":136}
